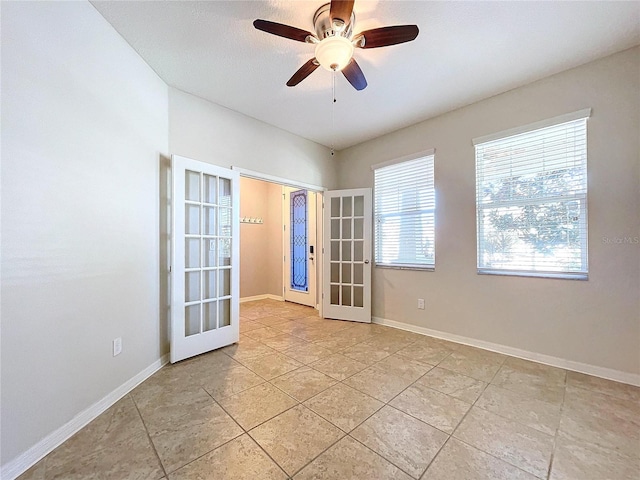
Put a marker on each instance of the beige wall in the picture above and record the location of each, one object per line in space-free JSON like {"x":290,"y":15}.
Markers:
{"x":260,"y":244}
{"x":210,"y":133}
{"x":596,"y":322}
{"x":84,"y":123}
{"x":274,"y":258}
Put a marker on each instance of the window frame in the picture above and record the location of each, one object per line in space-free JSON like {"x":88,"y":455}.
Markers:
{"x":582,"y":198}
{"x":432,"y":210}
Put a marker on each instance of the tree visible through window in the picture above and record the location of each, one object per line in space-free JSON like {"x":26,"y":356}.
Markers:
{"x":532,"y":201}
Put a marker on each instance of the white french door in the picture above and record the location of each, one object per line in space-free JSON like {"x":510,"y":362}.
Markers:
{"x":299,"y":246}
{"x":347,"y":255}
{"x":204,"y":258}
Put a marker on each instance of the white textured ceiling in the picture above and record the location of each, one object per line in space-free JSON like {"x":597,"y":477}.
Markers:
{"x":466,"y":51}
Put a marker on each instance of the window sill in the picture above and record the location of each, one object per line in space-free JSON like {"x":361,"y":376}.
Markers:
{"x":426,"y":268}
{"x":516,"y":273}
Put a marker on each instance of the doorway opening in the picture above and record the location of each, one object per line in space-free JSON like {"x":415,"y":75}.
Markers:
{"x":280,"y":241}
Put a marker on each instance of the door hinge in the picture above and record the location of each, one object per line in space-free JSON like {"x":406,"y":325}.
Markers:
{"x":169,"y":268}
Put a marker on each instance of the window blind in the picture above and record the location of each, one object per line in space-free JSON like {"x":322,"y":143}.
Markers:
{"x":404,"y":210}
{"x":531,"y":198}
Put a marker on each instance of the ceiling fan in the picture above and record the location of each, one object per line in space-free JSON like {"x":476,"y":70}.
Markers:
{"x":335,"y":42}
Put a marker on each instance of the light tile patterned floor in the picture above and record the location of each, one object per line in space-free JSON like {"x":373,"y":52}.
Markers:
{"x":305,"y":398}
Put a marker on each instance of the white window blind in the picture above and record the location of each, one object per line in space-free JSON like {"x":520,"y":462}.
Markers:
{"x":531,"y":198}
{"x":404,"y":202}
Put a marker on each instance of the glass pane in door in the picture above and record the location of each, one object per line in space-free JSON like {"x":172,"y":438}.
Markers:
{"x":192,"y":186}
{"x":192,"y":320}
{"x":192,"y":219}
{"x":224,"y":282}
{"x":298,"y":241}
{"x":209,"y":284}
{"x":224,"y":313}
{"x":210,"y":189}
{"x":210,"y":316}
{"x":192,"y":286}
{"x":209,"y":220}
{"x":192,"y":252}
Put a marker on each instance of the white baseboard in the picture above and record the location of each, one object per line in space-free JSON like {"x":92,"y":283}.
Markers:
{"x":603,"y":372}
{"x":26,"y":460}
{"x":266,"y":296}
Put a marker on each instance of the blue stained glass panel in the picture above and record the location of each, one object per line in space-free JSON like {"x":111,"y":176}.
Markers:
{"x":299,"y":273}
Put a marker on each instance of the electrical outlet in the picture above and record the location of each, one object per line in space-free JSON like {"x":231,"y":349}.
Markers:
{"x":421,"y":303}
{"x":117,"y":346}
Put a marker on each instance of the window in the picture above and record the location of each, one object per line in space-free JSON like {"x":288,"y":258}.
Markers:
{"x":404,"y":202}
{"x":531,"y":199}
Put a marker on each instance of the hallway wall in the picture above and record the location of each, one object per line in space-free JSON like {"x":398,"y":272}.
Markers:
{"x":260,"y":244}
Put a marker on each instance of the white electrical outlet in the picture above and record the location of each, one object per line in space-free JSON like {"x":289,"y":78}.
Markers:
{"x":117,"y":346}
{"x":421,"y":303}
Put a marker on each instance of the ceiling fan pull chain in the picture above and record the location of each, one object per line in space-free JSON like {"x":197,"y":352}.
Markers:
{"x":333,"y":108}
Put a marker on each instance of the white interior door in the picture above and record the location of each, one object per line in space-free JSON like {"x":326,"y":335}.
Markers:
{"x":205,"y":289}
{"x":299,"y":246}
{"x":347,"y":255}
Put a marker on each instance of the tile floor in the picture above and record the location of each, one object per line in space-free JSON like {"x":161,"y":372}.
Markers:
{"x":305,"y":398}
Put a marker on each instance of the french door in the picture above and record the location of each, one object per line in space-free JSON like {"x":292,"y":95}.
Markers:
{"x":347,"y":255}
{"x":205,"y":258}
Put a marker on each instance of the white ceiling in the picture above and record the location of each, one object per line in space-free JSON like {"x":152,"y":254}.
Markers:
{"x":466,"y":51}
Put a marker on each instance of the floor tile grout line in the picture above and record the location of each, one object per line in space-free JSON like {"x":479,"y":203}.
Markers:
{"x":323,"y":451}
{"x":318,"y":393}
{"x":205,"y":454}
{"x":267,"y":453}
{"x":436,"y":455}
{"x":146,"y":429}
{"x":490,"y":383}
{"x":246,"y":432}
{"x":499,"y":414}
{"x":384,"y":404}
{"x":469,"y":411}
{"x":215,"y":448}
{"x":495,"y":457}
{"x":342,"y":432}
{"x":478,"y":398}
{"x":380,"y":455}
{"x":555,"y":437}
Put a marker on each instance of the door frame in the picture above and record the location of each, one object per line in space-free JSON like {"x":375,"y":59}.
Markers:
{"x":287,"y":182}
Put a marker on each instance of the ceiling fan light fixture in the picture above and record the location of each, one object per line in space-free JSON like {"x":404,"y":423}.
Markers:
{"x":334,"y":52}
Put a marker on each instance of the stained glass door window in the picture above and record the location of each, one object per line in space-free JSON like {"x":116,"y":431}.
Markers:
{"x":299,"y":243}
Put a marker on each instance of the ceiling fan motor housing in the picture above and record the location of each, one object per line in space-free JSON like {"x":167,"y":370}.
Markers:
{"x":324,"y":27}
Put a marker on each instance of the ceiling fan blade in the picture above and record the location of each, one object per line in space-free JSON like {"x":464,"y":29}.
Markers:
{"x":341,"y":10}
{"x":355,"y":76}
{"x":303,"y":72}
{"x":282,"y":30}
{"x":385,"y":36}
